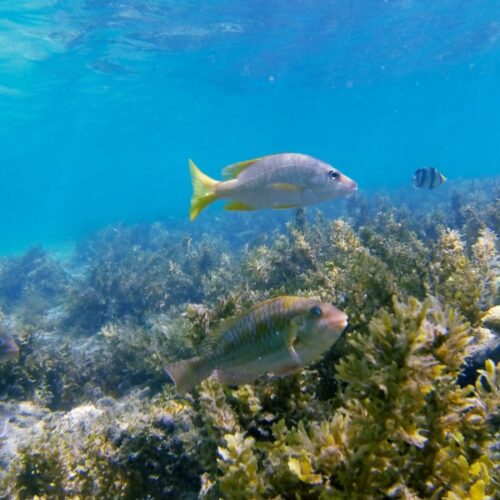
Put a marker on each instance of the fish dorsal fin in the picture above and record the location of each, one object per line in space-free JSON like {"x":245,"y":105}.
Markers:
{"x":232,"y":171}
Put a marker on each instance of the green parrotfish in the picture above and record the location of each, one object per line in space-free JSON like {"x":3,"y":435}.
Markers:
{"x":276,"y":336}
{"x":287,"y":180}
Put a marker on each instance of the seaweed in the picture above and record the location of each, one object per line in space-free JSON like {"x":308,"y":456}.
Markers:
{"x":400,"y":426}
{"x":388,"y":412}
{"x":31,"y":283}
{"x":127,"y":280}
{"x":112,"y":450}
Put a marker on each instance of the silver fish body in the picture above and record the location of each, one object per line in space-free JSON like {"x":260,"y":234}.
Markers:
{"x":278,"y":181}
{"x":289,"y":179}
{"x":277,"y":336}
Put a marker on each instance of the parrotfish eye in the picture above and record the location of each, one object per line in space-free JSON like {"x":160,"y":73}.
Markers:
{"x":316,"y":312}
{"x":333,"y":174}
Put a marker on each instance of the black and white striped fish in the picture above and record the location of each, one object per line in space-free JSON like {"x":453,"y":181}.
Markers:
{"x":428,"y":178}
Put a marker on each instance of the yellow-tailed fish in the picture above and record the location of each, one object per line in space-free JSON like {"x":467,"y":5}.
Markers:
{"x":276,"y":336}
{"x":278,"y":181}
{"x":428,"y":178}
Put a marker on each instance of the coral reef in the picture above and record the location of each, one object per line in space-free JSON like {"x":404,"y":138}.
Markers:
{"x":404,"y":406}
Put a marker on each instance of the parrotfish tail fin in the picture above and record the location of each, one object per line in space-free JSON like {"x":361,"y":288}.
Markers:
{"x":203,"y":190}
{"x":186,"y":374}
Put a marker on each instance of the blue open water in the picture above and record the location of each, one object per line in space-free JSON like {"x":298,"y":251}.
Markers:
{"x":102,"y":102}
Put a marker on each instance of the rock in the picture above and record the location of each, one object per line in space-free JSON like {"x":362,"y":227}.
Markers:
{"x":492,"y":318}
{"x":166,"y":422}
{"x":81,"y":418}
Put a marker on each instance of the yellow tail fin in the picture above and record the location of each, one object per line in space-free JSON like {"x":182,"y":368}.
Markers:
{"x":203,"y":190}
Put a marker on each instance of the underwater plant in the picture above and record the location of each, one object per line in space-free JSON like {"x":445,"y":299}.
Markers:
{"x":31,"y":283}
{"x":124,"y":449}
{"x":128,"y":282}
{"x":388,"y":412}
{"x":401,"y":427}
{"x":460,"y":281}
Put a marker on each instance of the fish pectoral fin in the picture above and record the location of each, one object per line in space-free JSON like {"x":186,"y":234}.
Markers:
{"x":237,"y":205}
{"x":287,"y":187}
{"x":289,"y":367}
{"x":295,"y":356}
{"x":290,"y":341}
{"x":232,"y":171}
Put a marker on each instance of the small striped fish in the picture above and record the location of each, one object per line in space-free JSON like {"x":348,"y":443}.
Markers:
{"x":279,"y":181}
{"x":277,"y":336}
{"x":428,"y":178}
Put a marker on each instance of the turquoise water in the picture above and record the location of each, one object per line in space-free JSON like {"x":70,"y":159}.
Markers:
{"x":103,"y":102}
{"x":326,"y":352}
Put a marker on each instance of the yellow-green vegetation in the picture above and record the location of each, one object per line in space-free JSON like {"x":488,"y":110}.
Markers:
{"x":400,"y":427}
{"x":132,"y":449}
{"x":386,"y":414}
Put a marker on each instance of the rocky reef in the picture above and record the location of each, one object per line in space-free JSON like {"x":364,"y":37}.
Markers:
{"x":406,"y":405}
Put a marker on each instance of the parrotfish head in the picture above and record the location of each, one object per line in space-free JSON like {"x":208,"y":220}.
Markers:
{"x":329,"y":182}
{"x":318,"y":328}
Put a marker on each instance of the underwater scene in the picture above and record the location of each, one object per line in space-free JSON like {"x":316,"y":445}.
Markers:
{"x":249,"y":249}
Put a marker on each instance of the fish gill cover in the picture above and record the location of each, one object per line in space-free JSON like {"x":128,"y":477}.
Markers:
{"x":104,"y":282}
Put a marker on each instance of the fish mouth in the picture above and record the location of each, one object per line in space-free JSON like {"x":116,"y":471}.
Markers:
{"x":349,"y":185}
{"x":352,"y":186}
{"x":337,"y":322}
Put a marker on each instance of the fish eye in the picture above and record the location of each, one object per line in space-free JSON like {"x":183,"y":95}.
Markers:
{"x":333,"y":175}
{"x":316,"y":312}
